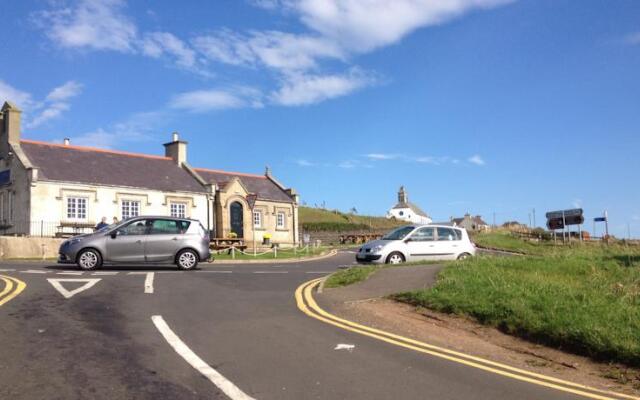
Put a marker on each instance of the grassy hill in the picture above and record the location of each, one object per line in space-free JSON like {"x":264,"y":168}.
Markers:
{"x":317,"y":219}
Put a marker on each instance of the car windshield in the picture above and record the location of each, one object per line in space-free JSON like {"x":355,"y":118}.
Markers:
{"x":106,"y":228}
{"x":399,"y":234}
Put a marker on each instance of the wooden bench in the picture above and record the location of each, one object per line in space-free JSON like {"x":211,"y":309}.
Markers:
{"x":227,"y":243}
{"x":78,"y":228}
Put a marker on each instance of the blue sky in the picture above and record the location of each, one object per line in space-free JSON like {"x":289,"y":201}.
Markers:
{"x":485,"y":106}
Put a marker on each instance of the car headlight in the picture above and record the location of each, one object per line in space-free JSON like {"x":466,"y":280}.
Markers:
{"x":376,"y":249}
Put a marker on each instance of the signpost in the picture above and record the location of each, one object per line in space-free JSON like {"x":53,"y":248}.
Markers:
{"x":604,"y":219}
{"x":563,"y":218}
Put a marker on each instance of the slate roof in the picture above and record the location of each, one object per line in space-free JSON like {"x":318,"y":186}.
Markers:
{"x":477,"y":220}
{"x":57,"y":162}
{"x":87,"y":165}
{"x":416,"y":210}
{"x":263,"y":187}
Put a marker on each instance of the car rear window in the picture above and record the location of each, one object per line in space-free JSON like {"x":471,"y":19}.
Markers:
{"x":169,"y":227}
{"x":447,"y":234}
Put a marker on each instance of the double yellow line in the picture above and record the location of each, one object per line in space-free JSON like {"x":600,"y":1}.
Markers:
{"x":12,"y":288}
{"x":307,"y":304}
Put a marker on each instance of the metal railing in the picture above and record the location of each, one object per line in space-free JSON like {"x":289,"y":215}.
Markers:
{"x":44,"y":228}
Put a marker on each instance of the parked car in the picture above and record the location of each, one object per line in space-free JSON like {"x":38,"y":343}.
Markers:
{"x":144,"y":239}
{"x":418,"y":243}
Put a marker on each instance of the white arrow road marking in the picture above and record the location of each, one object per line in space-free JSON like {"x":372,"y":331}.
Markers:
{"x":34,"y":271}
{"x":148,"y":283}
{"x":70,"y":273}
{"x":231,"y":390}
{"x":343,"y":346}
{"x":56,"y":283}
{"x":105,"y":273}
{"x":7,"y":270}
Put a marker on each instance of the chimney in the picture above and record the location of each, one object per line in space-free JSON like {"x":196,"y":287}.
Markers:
{"x":66,"y":141}
{"x":10,"y":129}
{"x":402,"y":196}
{"x":176,"y":149}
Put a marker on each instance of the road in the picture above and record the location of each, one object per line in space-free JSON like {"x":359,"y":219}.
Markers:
{"x":240,"y":321}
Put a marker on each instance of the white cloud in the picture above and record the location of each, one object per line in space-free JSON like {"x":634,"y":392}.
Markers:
{"x":632,"y":39}
{"x":348,"y":164}
{"x":308,"y":89}
{"x":20,"y":98}
{"x":93,"y":24}
{"x":138,"y":127}
{"x":305,"y":163}
{"x":51,"y":111}
{"x":363,"y":25}
{"x":577,"y":203}
{"x":476,"y":159}
{"x":217,"y":99}
{"x":156,"y":44}
{"x":66,"y":91}
{"x":381,"y":156}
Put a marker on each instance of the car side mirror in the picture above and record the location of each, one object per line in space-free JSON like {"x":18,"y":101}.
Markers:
{"x":113,"y":234}
{"x":407,"y":240}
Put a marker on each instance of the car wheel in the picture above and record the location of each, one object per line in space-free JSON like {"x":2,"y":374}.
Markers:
{"x":395,"y":258}
{"x":89,"y":259}
{"x":187,"y":260}
{"x":464,"y":256}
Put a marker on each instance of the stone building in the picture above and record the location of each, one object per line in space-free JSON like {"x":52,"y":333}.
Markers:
{"x":404,"y":210}
{"x":49,"y":189}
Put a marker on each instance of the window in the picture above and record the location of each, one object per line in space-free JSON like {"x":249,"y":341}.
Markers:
{"x":178,"y":210}
{"x":399,"y":233}
{"x":76,"y":208}
{"x":130,"y":208}
{"x":423,"y":235}
{"x":280,"y":220}
{"x":447,"y":234}
{"x":257,"y":219}
{"x":135,"y":228}
{"x":168,"y":227}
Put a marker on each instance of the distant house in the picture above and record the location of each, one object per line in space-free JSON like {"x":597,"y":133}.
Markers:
{"x":65,"y":188}
{"x":407,"y":211}
{"x":470,"y":223}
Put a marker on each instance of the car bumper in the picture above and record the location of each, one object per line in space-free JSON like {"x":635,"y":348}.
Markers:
{"x":369,"y":258}
{"x":65,"y":259}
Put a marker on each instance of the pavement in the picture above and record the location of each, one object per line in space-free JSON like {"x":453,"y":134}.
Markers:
{"x":224,"y":331}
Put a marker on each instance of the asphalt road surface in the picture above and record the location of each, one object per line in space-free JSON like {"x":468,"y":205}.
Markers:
{"x":224,"y":331}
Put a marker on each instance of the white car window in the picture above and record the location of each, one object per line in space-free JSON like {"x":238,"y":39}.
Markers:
{"x":423,"y":235}
{"x":447,"y":234}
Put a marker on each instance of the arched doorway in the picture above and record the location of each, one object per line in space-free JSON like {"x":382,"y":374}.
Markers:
{"x":237,"y":218}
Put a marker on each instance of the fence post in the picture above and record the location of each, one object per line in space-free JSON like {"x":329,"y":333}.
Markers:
{"x":41,"y":228}
{"x":275,"y":252}
{"x":233,"y":252}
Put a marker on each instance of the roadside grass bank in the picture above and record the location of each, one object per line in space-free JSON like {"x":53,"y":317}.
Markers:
{"x":582,"y":299}
{"x":359,"y":273}
{"x":503,"y":240}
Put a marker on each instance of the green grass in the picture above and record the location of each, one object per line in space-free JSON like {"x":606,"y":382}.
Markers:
{"x":316,"y":219}
{"x":585,"y":299}
{"x":505,"y":241}
{"x":286,"y":254}
{"x":350,"y":276}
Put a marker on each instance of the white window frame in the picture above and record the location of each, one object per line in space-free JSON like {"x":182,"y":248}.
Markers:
{"x":281,"y":220}
{"x":73,"y":211}
{"x":257,"y":218}
{"x":174,"y":209}
{"x":132,"y":208}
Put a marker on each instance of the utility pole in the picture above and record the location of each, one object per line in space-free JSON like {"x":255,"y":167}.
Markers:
{"x":494,"y":220}
{"x":606,"y":226}
{"x":530,"y":226}
{"x":534,"y":217}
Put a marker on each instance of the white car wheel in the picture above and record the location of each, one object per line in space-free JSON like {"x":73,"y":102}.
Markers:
{"x":187,"y":260}
{"x":395,"y":258}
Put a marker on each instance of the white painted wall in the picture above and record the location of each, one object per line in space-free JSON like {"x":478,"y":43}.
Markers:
{"x":49,"y":202}
{"x":407,"y":214}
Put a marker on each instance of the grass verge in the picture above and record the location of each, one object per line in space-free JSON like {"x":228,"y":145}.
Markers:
{"x":584,"y":299}
{"x":349,"y":276}
{"x":286,"y":254}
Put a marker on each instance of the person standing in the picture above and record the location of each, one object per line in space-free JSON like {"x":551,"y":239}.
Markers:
{"x":102,"y":224}
{"x":115,"y":220}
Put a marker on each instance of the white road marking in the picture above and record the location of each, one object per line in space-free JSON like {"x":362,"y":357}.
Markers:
{"x":137,"y":273}
{"x":7,"y":270}
{"x":218,"y":272}
{"x":318,"y":272}
{"x":105,"y":273}
{"x":70,"y":273}
{"x":270,"y":272}
{"x":34,"y":271}
{"x":56,"y":283}
{"x":222,"y":383}
{"x":148,"y":283}
{"x":348,"y":347}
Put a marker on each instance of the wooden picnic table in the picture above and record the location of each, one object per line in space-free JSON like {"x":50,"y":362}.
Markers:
{"x":227,"y":243}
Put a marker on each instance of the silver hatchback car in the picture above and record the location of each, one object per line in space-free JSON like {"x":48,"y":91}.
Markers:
{"x":148,"y":239}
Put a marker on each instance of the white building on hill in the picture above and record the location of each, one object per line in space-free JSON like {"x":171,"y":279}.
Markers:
{"x":407,"y":211}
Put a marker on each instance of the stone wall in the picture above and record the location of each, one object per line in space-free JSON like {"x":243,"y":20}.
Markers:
{"x":28,"y":247}
{"x":333,"y":238}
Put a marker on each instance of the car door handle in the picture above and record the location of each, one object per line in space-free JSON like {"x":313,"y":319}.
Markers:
{"x":175,"y":238}
{"x":139,"y":241}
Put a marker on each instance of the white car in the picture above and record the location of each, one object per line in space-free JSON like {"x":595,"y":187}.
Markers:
{"x":418,"y":243}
